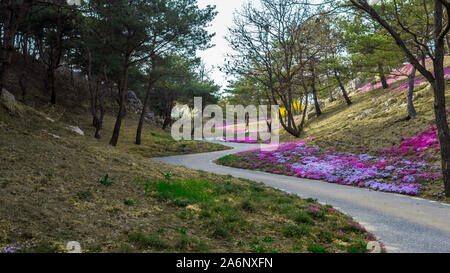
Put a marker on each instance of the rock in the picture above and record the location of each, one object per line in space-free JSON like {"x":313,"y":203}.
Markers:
{"x":390,"y":102}
{"x":150,"y":115}
{"x":54,"y":136}
{"x":365,"y":114}
{"x":9,"y":101}
{"x":373,"y":247}
{"x":73,"y":247}
{"x":75,"y":129}
{"x":133,"y":101}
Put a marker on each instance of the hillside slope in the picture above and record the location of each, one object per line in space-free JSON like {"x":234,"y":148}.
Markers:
{"x":374,"y":124}
{"x":58,"y":186}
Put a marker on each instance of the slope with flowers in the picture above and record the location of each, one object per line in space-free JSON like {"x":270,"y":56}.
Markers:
{"x":367,"y":144}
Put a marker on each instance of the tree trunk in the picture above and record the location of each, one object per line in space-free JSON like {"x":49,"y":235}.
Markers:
{"x":151,"y":82}
{"x":411,"y":78}
{"x":23,"y":76}
{"x":439,"y":99}
{"x":316,"y":100}
{"x":382,"y":77}
{"x":330,"y":91}
{"x":52,"y":86}
{"x":99,"y":126}
{"x":122,"y":111}
{"x":344,"y":92}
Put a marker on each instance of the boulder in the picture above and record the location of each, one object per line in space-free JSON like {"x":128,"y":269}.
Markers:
{"x":9,"y":101}
{"x":133,"y":101}
{"x":75,"y":129}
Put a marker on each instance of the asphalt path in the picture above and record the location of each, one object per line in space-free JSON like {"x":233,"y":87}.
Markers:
{"x":402,"y":223}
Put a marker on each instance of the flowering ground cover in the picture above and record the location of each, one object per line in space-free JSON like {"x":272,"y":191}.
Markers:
{"x":402,"y":169}
{"x":401,"y":74}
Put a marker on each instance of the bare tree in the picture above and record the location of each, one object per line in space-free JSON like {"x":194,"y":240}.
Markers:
{"x":267,"y":42}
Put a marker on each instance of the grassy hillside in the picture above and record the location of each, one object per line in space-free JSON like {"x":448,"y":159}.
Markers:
{"x":58,"y":186}
{"x":54,"y":190}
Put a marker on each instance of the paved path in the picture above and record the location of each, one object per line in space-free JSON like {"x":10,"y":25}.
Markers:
{"x":403,"y":223}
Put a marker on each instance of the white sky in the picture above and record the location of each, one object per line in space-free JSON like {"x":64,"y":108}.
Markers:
{"x":215,"y":56}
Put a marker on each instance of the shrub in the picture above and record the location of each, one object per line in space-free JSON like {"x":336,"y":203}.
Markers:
{"x":247,"y":206}
{"x":291,"y":230}
{"x":106,"y":180}
{"x":301,"y":217}
{"x":316,"y":249}
{"x":146,"y":241}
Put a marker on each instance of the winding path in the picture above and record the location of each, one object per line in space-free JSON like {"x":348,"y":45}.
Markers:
{"x":403,"y":223}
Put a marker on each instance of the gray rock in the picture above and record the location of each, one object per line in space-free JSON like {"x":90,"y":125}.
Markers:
{"x":133,"y":100}
{"x":9,"y":101}
{"x":75,"y":129}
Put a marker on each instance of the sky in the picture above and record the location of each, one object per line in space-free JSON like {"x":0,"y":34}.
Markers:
{"x":215,"y":56}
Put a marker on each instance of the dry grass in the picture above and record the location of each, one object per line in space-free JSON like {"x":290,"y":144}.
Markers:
{"x":51,"y":195}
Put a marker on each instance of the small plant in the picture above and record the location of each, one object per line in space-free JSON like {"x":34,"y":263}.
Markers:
{"x":302,"y":217}
{"x":267,"y":239}
{"x":291,"y":230}
{"x":147,"y":187}
{"x":128,"y":202}
{"x":84,"y":195}
{"x":247,"y":206}
{"x":359,"y":247}
{"x":219,"y":232}
{"x":316,"y":249}
{"x":107,"y":181}
{"x":168,"y":175}
{"x":146,"y":241}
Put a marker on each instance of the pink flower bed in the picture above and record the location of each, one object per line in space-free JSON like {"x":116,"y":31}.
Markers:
{"x":403,"y":169}
{"x":400,"y":75}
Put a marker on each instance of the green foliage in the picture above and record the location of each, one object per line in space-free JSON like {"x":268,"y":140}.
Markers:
{"x":227,"y":160}
{"x":147,"y":241}
{"x":168,"y":175}
{"x":247,"y":206}
{"x":290,"y":230}
{"x":316,"y":249}
{"x":359,"y":247}
{"x":107,"y":181}
{"x":301,"y":217}
{"x":183,"y":191}
{"x":85,"y":195}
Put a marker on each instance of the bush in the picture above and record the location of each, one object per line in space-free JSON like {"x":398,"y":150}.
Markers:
{"x":106,"y":180}
{"x":302,"y":217}
{"x":291,"y":230}
{"x":316,"y":249}
{"x":145,"y":241}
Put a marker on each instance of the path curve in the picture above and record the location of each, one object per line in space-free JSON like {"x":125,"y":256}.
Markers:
{"x":403,"y":223}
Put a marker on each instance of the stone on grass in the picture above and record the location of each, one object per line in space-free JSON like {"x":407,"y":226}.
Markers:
{"x":9,"y":101}
{"x":75,"y":129}
{"x":73,"y":247}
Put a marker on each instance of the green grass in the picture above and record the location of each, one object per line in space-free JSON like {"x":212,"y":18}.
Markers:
{"x":147,"y":241}
{"x":193,"y":191}
{"x":227,"y":159}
